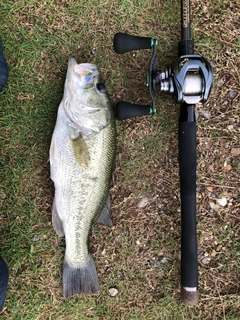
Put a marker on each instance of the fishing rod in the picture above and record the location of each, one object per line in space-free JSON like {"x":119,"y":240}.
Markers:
{"x":189,"y":81}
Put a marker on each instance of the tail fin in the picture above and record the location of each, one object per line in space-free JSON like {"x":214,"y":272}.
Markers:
{"x":83,"y":279}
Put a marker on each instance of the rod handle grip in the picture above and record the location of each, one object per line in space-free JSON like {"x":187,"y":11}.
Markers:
{"x":187,"y":164}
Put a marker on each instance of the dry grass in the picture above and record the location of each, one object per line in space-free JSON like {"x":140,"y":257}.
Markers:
{"x":38,"y":38}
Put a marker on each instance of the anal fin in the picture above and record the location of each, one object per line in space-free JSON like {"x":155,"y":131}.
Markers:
{"x":105,"y":216}
{"x":56,"y":221}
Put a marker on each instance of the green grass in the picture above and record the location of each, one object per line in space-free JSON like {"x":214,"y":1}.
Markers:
{"x":38,"y":38}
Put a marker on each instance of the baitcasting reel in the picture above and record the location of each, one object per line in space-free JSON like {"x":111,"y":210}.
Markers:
{"x":188,"y":80}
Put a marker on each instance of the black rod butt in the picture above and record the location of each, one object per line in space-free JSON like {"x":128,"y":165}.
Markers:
{"x":190,"y":296}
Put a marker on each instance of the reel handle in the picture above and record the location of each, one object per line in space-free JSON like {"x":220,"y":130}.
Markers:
{"x":126,"y":110}
{"x":124,"y":42}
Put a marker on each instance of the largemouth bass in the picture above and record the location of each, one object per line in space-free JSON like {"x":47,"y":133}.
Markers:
{"x":81,"y":159}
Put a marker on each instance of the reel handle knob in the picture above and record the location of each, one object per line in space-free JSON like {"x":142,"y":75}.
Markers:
{"x":124,"y":42}
{"x":126,"y":110}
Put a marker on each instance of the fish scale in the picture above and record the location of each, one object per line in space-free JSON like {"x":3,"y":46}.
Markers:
{"x":81,"y":160}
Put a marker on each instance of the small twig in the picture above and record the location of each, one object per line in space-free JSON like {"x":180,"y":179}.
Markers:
{"x":215,"y":185}
{"x":232,"y":215}
{"x":218,"y":39}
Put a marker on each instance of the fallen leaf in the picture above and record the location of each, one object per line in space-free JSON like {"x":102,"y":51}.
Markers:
{"x":235,"y":151}
{"x":210,"y":189}
{"x":227,"y":166}
{"x":206,"y":260}
{"x":113,"y":292}
{"x":214,"y":206}
{"x":222,"y":201}
{"x":142,"y":203}
{"x":213,"y":253}
{"x":206,"y":114}
{"x":211,"y":168}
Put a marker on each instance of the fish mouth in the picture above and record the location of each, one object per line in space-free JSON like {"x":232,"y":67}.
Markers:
{"x":85,"y":69}
{"x":86,"y":72}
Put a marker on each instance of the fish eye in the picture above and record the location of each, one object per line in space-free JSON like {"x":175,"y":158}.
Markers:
{"x":101,"y":87}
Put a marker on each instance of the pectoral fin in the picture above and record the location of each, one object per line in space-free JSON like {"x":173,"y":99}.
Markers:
{"x":80,"y":151}
{"x":105,"y":216}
